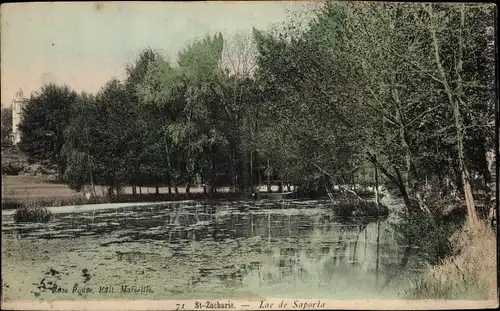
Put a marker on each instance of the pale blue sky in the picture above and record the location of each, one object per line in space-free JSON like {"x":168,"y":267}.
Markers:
{"x":85,"y":44}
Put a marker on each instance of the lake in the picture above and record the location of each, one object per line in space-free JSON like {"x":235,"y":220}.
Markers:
{"x":183,"y":250}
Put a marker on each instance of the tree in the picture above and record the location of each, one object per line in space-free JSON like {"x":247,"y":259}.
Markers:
{"x":6,"y":126}
{"x":78,"y":149}
{"x":184,"y":98}
{"x":308,"y":133}
{"x":145,"y":124}
{"x":46,"y":116}
{"x":380,"y":83}
{"x":115,"y":131}
{"x":413,"y":66}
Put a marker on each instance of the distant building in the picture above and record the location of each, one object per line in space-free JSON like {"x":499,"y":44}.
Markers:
{"x":18,"y":104}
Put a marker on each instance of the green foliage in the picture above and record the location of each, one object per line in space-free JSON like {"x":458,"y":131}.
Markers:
{"x":46,"y":116}
{"x":359,"y":208}
{"x":199,"y":61}
{"x":403,"y":91}
{"x":430,"y":234}
{"x":310,"y":125}
{"x":77,"y":170}
{"x":359,"y":87}
{"x":32,"y":214}
{"x":6,"y":130}
{"x":10,"y":169}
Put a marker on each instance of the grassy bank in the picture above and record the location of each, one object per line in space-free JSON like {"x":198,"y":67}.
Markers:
{"x":14,"y":203}
{"x":470,"y":274}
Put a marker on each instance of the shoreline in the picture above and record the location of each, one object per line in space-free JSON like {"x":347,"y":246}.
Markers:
{"x":90,"y":207}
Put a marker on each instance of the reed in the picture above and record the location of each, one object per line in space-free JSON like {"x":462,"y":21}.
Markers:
{"x":471,"y":274}
{"x":32,"y":213}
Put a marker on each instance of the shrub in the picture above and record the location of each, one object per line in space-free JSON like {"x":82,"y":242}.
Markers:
{"x":429,"y":233}
{"x":11,"y":170}
{"x":359,"y":208}
{"x":30,"y":213}
{"x":470,"y":274}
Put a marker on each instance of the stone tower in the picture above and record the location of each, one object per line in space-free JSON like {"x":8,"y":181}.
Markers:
{"x":18,"y":104}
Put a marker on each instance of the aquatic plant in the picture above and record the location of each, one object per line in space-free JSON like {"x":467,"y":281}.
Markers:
{"x":358,"y":208}
{"x":32,"y":213}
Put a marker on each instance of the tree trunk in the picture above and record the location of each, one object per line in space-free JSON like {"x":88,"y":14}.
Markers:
{"x":251,"y":172}
{"x":402,"y":136}
{"x":455,"y":104}
{"x":397,"y":181}
{"x":231,"y":165}
{"x":404,"y":193}
{"x":157,"y":190}
{"x":244,"y":171}
{"x":134,"y":190}
{"x":377,"y":199}
{"x":91,"y":181}
{"x":377,"y":260}
{"x":269,"y":177}
{"x":259,"y":180}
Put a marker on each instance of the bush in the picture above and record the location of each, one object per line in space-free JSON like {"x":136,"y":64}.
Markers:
{"x":32,"y":214}
{"x":470,"y":274}
{"x":11,"y":170}
{"x":359,"y":208}
{"x":429,"y":233}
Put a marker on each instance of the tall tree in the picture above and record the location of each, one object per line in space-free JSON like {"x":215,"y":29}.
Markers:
{"x":78,"y":148}
{"x":46,"y":116}
{"x":144,"y":123}
{"x":6,"y":126}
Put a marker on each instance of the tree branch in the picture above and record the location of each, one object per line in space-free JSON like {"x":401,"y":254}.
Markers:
{"x":332,"y":178}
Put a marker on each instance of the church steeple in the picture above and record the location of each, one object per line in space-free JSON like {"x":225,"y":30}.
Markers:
{"x":18,"y":104}
{"x":20,"y":94}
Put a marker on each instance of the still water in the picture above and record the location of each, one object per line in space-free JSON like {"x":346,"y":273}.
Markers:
{"x":244,"y":249}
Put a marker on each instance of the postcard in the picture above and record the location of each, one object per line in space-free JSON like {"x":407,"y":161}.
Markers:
{"x":249,"y":155}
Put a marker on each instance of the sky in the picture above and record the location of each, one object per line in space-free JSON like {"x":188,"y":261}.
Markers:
{"x":84,"y":45}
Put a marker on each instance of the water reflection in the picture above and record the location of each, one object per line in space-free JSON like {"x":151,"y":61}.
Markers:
{"x":262,"y":247}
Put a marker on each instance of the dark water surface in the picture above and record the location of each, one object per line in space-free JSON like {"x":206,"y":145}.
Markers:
{"x":219,"y":249}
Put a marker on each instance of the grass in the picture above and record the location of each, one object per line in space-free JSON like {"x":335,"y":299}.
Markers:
{"x":355,"y":207}
{"x":32,"y":213}
{"x":15,"y":203}
{"x":18,"y":191}
{"x":471,"y":274}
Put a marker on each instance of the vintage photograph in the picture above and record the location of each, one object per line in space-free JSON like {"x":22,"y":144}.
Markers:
{"x":260,"y":155}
